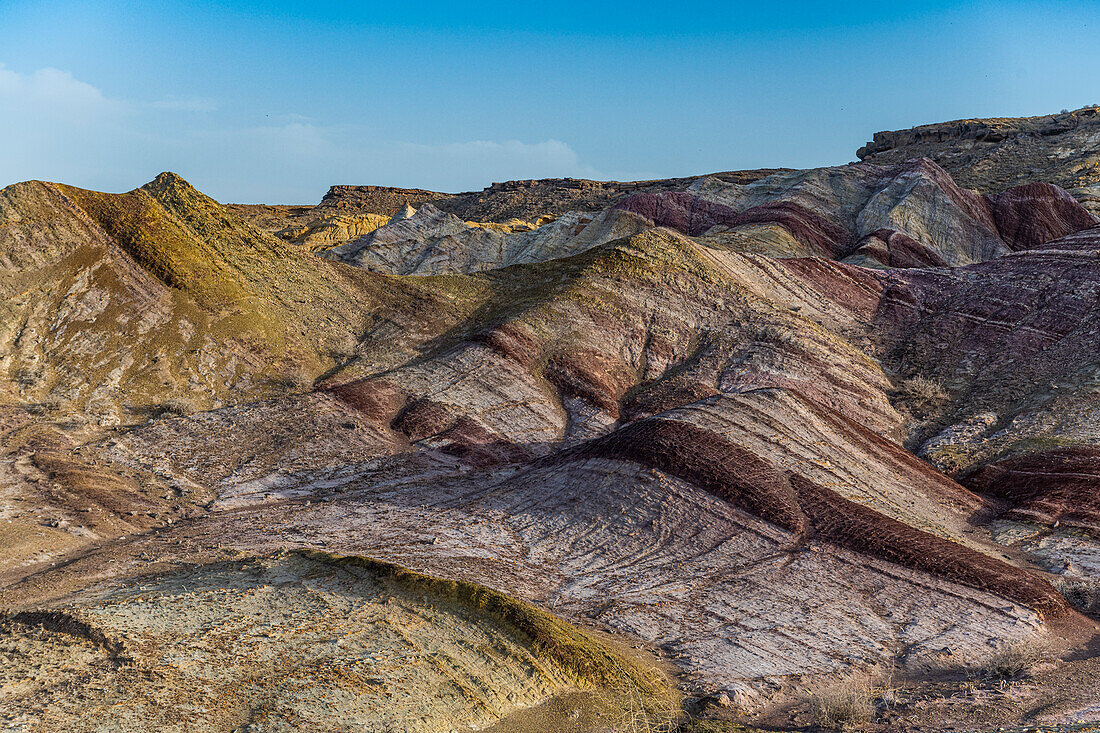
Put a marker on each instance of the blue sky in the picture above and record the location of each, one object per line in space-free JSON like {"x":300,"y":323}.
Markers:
{"x":275,"y":101}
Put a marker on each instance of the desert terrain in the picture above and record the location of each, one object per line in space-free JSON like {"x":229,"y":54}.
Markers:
{"x":775,"y":449}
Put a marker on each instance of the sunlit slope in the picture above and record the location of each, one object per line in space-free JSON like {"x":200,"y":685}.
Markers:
{"x":116,"y":305}
{"x":306,"y":640}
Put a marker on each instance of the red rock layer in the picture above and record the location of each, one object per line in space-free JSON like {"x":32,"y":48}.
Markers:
{"x":793,"y":502}
{"x":895,"y":249}
{"x":664,"y":394}
{"x":684,"y":212}
{"x":972,"y":204}
{"x":422,"y":419}
{"x":855,"y":289}
{"x":1029,"y":315}
{"x":712,"y":463}
{"x":1061,"y":485}
{"x":512,"y":341}
{"x":592,"y":376}
{"x":691,"y":215}
{"x":469,"y":441}
{"x":375,"y":398}
{"x":1036,"y":213}
{"x":808,"y":227}
{"x":1086,"y":240}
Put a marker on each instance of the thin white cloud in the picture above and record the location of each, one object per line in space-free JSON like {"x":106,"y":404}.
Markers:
{"x":185,"y":104}
{"x":303,"y":159}
{"x":56,"y":127}
{"x":508,"y":160}
{"x":53,"y":125}
{"x":48,"y":90}
{"x":278,"y":119}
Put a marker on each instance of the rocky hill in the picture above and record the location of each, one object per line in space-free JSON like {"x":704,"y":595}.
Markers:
{"x":716,"y":447}
{"x":117,"y":305}
{"x":524,"y":200}
{"x":502,"y":657}
{"x":991,"y":155}
{"x":520,"y":201}
{"x":903,"y":215}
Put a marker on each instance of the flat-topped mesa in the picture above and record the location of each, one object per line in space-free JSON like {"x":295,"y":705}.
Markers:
{"x":340,"y":191}
{"x":578,"y":183}
{"x":993,"y":154}
{"x":345,"y":212}
{"x":525,"y":199}
{"x":989,"y":130}
{"x":582,"y":184}
{"x":384,"y":200}
{"x":913,"y":212}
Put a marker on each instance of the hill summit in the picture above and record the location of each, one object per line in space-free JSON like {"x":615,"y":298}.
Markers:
{"x":997,"y":153}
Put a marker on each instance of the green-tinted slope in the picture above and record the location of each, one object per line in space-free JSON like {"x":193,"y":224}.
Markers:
{"x":311,"y":641}
{"x":115,"y":304}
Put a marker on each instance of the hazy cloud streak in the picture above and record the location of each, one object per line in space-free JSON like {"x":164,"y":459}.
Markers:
{"x":56,"y":127}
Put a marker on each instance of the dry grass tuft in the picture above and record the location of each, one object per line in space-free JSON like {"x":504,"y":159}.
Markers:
{"x":849,"y":705}
{"x":299,"y":381}
{"x":922,"y":392}
{"x":51,"y":405}
{"x":1082,"y":593}
{"x":1014,"y":659}
{"x":176,"y":406}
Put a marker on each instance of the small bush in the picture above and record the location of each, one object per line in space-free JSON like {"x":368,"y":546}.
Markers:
{"x":49,"y":406}
{"x":922,"y":392}
{"x":1082,"y":593}
{"x":298,"y":381}
{"x":774,"y":334}
{"x":29,"y":376}
{"x":885,"y":690}
{"x":176,"y":406}
{"x":1014,"y":660}
{"x":847,"y":706}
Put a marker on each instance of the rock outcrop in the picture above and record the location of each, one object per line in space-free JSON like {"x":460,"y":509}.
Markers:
{"x":524,"y":201}
{"x":1032,"y":215}
{"x":908,"y":215}
{"x":1010,"y":341}
{"x":1050,"y":487}
{"x":114,"y":305}
{"x":311,"y":639}
{"x":430,"y":242}
{"x":991,"y":155}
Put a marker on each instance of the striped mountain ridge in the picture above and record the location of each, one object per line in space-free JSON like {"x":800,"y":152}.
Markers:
{"x":705,"y":446}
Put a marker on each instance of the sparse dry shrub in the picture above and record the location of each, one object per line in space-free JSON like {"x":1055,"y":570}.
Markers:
{"x":1014,"y":659}
{"x":885,"y":690}
{"x":848,"y":705}
{"x":347,"y":349}
{"x":298,"y":381}
{"x":29,"y":375}
{"x":51,"y":405}
{"x":1082,"y":593}
{"x":774,"y":333}
{"x":922,"y":392}
{"x":342,"y":354}
{"x":176,"y":406}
